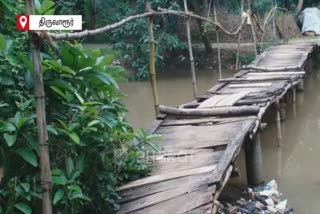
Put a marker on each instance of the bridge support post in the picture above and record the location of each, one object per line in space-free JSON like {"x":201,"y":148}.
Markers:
{"x":300,"y":86}
{"x":278,"y":120}
{"x":294,"y":101}
{"x":254,"y":161}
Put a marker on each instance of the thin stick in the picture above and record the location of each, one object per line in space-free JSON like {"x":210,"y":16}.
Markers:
{"x":252,"y":28}
{"x":193,"y":72}
{"x":239,"y":40}
{"x":107,"y":28}
{"x":152,"y":62}
{"x":218,"y":41}
{"x":45,"y":175}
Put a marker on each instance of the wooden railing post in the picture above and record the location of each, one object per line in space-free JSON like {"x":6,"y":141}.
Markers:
{"x":152,"y":62}
{"x":45,"y":175}
{"x":218,"y":40}
{"x":193,"y":70}
{"x":239,"y":39}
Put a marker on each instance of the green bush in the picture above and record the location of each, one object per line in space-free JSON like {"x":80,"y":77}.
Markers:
{"x":92,"y":147}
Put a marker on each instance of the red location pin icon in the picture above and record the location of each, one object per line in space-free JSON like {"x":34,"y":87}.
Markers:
{"x":23,"y":22}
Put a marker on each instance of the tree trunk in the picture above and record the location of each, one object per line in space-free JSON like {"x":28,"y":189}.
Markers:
{"x":205,"y":38}
{"x":299,"y":6}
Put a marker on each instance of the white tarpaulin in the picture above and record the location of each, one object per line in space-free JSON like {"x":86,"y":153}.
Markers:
{"x":310,"y":20}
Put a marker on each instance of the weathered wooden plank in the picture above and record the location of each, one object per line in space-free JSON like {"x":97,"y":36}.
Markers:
{"x":212,"y":101}
{"x":233,"y":148}
{"x":250,"y":79}
{"x":168,"y":176}
{"x":158,"y":198}
{"x":286,"y":73}
{"x":250,"y":85}
{"x":185,"y":162}
{"x":183,"y":203}
{"x":147,"y":190}
{"x":206,"y":120}
{"x":232,"y":99}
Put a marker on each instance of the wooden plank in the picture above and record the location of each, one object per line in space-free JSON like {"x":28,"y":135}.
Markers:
{"x":234,"y":147}
{"x":250,"y":85}
{"x":249,"y":79}
{"x":168,"y":176}
{"x":184,"y":162}
{"x":212,"y":101}
{"x":183,"y":203}
{"x":231,"y":100}
{"x":157,"y":198}
{"x":144,"y":191}
{"x":206,"y":120}
{"x":276,"y":73}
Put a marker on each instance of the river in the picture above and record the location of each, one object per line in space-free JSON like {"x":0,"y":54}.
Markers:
{"x":293,"y":165}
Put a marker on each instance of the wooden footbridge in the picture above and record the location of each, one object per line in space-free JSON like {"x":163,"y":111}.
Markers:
{"x":202,"y":139}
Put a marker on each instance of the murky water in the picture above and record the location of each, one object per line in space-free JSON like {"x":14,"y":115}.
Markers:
{"x":174,"y":88}
{"x":294,"y":165}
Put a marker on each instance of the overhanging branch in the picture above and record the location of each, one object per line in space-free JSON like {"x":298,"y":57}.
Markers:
{"x":107,"y":28}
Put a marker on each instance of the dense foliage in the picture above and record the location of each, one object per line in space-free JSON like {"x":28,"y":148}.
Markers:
{"x":92,"y":147}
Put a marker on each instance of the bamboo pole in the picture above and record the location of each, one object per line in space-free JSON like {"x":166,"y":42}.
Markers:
{"x":273,"y":20}
{"x":193,"y":70}
{"x":45,"y":175}
{"x":278,"y":120}
{"x":252,"y":28}
{"x":110,"y":27}
{"x":239,"y":39}
{"x":217,"y":111}
{"x":218,"y":41}
{"x":152,"y":62}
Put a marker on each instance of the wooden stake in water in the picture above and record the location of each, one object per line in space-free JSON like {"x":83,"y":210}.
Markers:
{"x":152,"y":62}
{"x":193,"y":70}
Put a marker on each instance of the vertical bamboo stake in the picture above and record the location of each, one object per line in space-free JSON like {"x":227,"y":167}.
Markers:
{"x":152,"y":62}
{"x":45,"y":175}
{"x":278,"y":120}
{"x":294,"y":101}
{"x":273,"y":20}
{"x":239,"y":40}
{"x":252,"y":28}
{"x":193,"y":70}
{"x":218,"y":41}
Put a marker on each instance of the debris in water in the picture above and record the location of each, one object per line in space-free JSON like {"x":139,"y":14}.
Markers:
{"x":264,"y":199}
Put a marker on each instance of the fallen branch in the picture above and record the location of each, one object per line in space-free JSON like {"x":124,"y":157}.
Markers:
{"x":107,"y":28}
{"x":218,"y":111}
